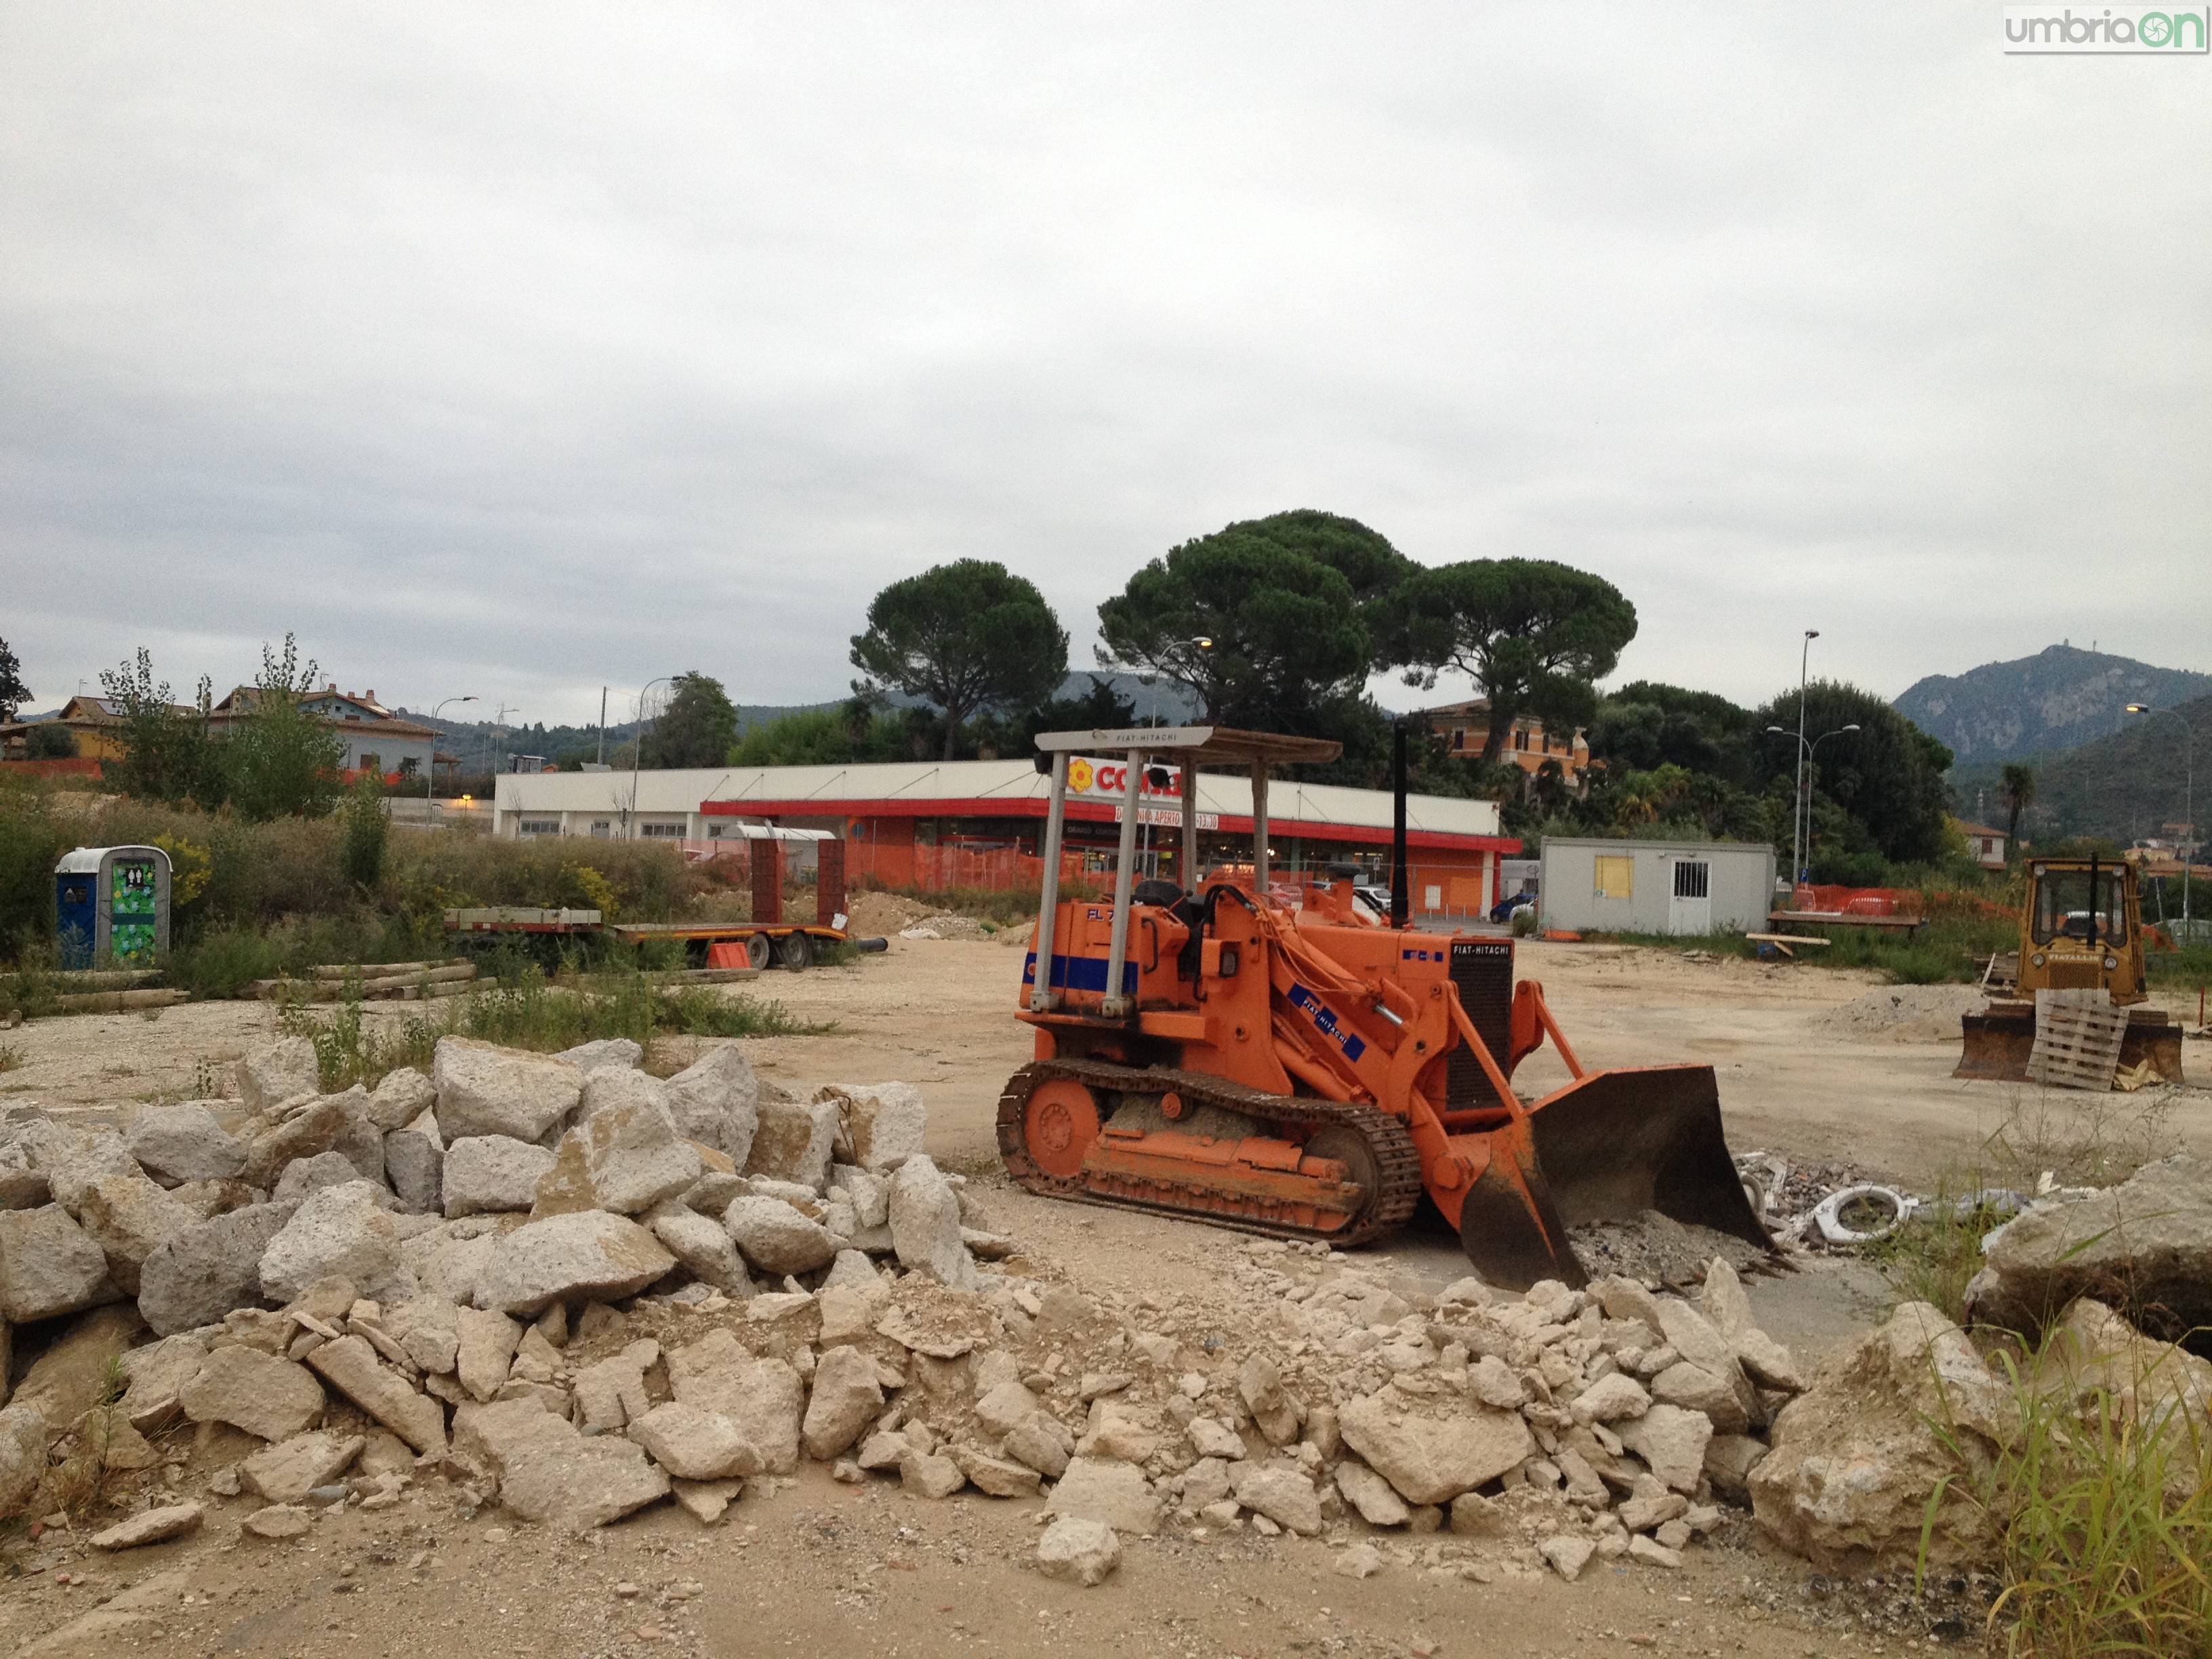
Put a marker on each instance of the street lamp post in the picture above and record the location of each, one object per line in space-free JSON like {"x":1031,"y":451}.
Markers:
{"x":2188,"y":801}
{"x":1804,"y":761}
{"x":637,"y":751}
{"x":431,"y":794}
{"x":1797,"y":802}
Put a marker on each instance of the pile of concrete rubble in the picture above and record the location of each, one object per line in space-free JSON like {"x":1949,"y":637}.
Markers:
{"x":562,"y":1286}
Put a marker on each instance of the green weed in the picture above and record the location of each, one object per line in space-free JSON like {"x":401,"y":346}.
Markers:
{"x":2099,"y":1506}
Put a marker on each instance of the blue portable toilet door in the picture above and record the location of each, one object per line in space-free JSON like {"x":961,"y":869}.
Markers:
{"x":76,"y":916}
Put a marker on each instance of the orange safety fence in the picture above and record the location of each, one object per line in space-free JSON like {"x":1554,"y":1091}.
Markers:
{"x":1858,"y":901}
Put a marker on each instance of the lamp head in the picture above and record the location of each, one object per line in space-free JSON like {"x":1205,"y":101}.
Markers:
{"x":1812,"y":633}
{"x":1203,"y":641}
{"x":2139,"y":708}
{"x":1847,"y":728}
{"x":1781,"y":729}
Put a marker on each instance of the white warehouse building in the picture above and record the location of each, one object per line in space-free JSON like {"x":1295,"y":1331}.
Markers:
{"x":1656,"y":886}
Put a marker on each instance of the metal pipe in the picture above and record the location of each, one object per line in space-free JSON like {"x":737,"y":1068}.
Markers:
{"x":1259,"y":830}
{"x":1400,"y":895}
{"x":1116,"y":1004}
{"x":1041,"y":1001}
{"x":1190,"y":872}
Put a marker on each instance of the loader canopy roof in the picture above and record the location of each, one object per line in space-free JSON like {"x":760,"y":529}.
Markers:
{"x":1202,"y":745}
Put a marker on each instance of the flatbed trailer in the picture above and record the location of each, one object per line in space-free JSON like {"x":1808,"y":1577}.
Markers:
{"x":710,"y":945}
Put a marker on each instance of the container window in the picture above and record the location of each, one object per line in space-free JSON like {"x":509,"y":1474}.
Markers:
{"x":1616,"y":877}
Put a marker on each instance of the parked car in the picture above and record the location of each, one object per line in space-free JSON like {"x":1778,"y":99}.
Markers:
{"x":1503,"y":910}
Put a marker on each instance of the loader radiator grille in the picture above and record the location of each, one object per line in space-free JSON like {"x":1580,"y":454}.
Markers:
{"x":1482,"y":969}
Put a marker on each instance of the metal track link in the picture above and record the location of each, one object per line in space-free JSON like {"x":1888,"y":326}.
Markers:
{"x":1386,"y":1138}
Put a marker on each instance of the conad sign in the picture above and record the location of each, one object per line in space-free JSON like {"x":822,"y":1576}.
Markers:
{"x":1096,"y":777}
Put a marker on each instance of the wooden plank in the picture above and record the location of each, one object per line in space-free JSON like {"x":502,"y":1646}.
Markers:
{"x":1789,"y":938}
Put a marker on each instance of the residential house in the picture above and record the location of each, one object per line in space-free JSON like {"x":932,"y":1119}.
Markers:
{"x":1987,"y":845}
{"x":1465,"y":728}
{"x":95,"y":723}
{"x":376,"y":739}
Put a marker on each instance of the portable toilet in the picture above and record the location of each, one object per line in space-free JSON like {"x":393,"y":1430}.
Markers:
{"x":112,"y":907}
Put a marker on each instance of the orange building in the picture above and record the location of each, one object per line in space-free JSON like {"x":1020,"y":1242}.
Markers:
{"x":1465,"y":728}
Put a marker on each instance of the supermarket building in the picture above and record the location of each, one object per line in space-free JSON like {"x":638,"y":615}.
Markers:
{"x":936,"y":825}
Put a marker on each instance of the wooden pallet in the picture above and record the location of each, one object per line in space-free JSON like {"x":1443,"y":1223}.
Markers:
{"x":2077,"y":1041}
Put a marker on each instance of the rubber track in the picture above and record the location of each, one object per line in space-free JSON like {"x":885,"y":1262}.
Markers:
{"x":1386,"y":1137}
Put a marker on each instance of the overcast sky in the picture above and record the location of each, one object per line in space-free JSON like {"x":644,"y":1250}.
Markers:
{"x":517,"y":350}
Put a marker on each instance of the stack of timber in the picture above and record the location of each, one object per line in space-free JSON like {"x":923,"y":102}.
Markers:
{"x":401,"y":981}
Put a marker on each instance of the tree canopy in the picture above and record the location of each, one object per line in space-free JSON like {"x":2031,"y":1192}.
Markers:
{"x":168,"y":753}
{"x":968,"y":636}
{"x":1886,"y":778}
{"x":14,"y":694}
{"x":284,"y":760}
{"x":1534,"y":634}
{"x":1267,"y":619}
{"x":696,"y":729}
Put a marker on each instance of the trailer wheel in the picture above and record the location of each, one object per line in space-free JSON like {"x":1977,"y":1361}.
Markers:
{"x":758,"y":952}
{"x":796,"y":951}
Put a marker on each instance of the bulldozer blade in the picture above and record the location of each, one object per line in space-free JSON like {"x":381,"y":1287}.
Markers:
{"x":1606,"y":1147}
{"x":1999,"y":1042}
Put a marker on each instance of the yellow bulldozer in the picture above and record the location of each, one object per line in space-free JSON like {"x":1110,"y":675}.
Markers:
{"x":2080,"y":929}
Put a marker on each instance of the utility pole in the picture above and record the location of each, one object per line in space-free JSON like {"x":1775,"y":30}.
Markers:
{"x":2188,"y":847}
{"x":603,"y":726}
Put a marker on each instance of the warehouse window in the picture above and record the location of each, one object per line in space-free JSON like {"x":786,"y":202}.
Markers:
{"x":673,"y":831}
{"x":541,"y":826}
{"x":1616,"y":877}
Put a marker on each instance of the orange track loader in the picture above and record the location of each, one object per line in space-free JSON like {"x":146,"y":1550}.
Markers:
{"x":1309,"y":1071}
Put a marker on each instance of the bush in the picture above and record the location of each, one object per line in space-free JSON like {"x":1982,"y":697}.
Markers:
{"x":51,"y":741}
{"x":365,"y":829}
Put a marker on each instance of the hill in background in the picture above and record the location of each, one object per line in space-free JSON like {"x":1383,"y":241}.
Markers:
{"x":2125,"y":786}
{"x":2058,"y":699}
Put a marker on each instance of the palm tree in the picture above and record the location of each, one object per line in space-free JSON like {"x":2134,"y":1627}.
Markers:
{"x":2017,"y":791}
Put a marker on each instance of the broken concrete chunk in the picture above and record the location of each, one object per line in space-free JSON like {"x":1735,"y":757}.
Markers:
{"x":485,"y":1090}
{"x":794,"y":1142}
{"x":716,"y":1102}
{"x":266,"y":1396}
{"x":1101,"y":1489}
{"x":343,"y":1230}
{"x":486,"y":1174}
{"x":569,"y":1258}
{"x":777,"y":1238}
{"x":1431,"y":1457}
{"x":1083,"y":1552}
{"x":415,"y":1165}
{"x":693,"y":1444}
{"x":287,"y":1472}
{"x":183,"y":1142}
{"x":150,"y":1527}
{"x":283,"y":1071}
{"x":579,"y":1483}
{"x":765,"y":1398}
{"x":49,"y":1265}
{"x":881,"y":1123}
{"x":925,"y":1223}
{"x":846,"y":1398}
{"x":210,"y":1267}
{"x":350,"y":1365}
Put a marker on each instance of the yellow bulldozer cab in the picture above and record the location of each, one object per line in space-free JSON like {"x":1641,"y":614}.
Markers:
{"x":2081,"y":929}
